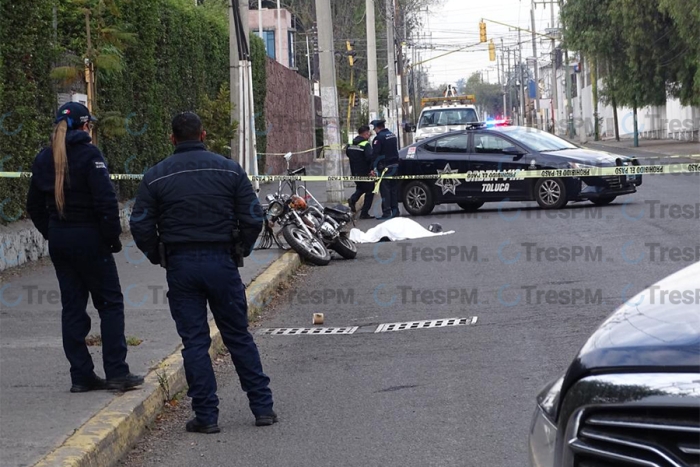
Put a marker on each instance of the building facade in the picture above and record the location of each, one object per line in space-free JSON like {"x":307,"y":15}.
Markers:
{"x":284,"y":52}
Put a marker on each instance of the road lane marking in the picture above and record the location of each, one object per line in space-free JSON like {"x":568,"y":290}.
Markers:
{"x":381,"y":328}
{"x":426,"y":324}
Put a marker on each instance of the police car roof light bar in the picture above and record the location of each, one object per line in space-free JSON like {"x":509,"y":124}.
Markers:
{"x":475,"y":125}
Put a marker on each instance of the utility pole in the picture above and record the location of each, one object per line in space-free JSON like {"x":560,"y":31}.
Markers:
{"x":505,"y":81}
{"x":404,"y":78}
{"x":235,"y":86}
{"x":594,"y":83}
{"x":260,"y":22}
{"x":537,"y":72}
{"x":510,"y":95}
{"x":414,"y":73}
{"x":372,"y":79}
{"x":329,"y":95}
{"x":279,"y":33}
{"x":583,"y":136}
{"x":555,"y":91}
{"x":391,"y":56}
{"x":570,"y":132}
{"x":522,"y":80}
{"x":312,"y":94}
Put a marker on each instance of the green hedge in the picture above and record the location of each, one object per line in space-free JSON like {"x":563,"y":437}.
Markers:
{"x":179,"y":56}
{"x":26,"y":97}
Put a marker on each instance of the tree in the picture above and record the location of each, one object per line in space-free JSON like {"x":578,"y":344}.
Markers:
{"x":648,"y":47}
{"x":686,"y":16}
{"x":103,"y":53}
{"x":215,"y":115}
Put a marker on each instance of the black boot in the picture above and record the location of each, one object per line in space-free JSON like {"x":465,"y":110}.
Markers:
{"x":93,"y":384}
{"x":266,"y":420}
{"x":195,"y":426}
{"x":122,"y":383}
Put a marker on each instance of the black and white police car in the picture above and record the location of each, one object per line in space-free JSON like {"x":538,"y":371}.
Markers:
{"x":506,"y":148}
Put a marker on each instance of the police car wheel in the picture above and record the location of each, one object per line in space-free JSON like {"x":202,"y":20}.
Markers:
{"x":550,"y":193}
{"x":470,"y":206}
{"x":310,"y":249}
{"x":603,"y":201}
{"x":418,"y":199}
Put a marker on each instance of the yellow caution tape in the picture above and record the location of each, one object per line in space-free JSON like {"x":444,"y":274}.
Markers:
{"x":475,"y":176}
{"x":379,"y":182}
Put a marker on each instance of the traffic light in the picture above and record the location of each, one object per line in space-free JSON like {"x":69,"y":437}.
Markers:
{"x":482,"y":32}
{"x":492,"y":51}
{"x":351,"y":53}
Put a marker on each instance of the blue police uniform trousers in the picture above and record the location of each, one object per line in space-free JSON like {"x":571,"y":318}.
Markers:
{"x":198,"y":274}
{"x":389,"y":190}
{"x":85,"y":267}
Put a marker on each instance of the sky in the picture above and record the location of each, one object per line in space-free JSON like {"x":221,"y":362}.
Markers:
{"x":456,"y":24}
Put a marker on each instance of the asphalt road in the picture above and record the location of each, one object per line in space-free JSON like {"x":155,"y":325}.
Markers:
{"x":539,"y":283}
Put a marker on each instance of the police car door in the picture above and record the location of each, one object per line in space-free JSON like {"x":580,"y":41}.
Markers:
{"x":489,"y":153}
{"x":450,"y":157}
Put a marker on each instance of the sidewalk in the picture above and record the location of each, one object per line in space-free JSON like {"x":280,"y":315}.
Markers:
{"x":648,"y":149}
{"x":38,"y":412}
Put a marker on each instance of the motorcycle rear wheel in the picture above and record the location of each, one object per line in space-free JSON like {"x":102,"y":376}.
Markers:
{"x":310,"y":249}
{"x":345,"y":247}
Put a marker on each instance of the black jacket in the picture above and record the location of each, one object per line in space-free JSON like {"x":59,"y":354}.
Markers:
{"x":90,"y":198}
{"x":385,"y":149}
{"x":195,"y":196}
{"x":360,"y":155}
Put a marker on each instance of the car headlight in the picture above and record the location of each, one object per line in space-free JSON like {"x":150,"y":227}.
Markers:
{"x":276,"y":209}
{"x":578,"y":165}
{"x":548,"y":399}
{"x":543,"y":431}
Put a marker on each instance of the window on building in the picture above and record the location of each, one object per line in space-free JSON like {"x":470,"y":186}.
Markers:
{"x":292,"y":58}
{"x":269,"y":39}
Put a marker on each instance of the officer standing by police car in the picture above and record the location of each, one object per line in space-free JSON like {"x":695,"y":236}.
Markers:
{"x":197,"y":215}
{"x":385,"y":151}
{"x":72,"y":203}
{"x":360,"y":155}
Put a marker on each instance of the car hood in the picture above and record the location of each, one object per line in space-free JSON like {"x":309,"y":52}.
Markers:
{"x":588,"y":156}
{"x":658,"y":330}
{"x":430,"y":131}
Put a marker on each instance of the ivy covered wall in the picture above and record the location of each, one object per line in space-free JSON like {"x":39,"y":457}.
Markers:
{"x":159,"y":57}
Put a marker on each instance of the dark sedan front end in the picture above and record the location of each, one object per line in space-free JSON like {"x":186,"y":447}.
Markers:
{"x":600,"y":189}
{"x":632,"y":395}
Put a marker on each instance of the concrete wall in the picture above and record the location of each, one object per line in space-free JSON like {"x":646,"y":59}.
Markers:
{"x":290,"y":126}
{"x":670,"y":121}
{"x":21,"y":243}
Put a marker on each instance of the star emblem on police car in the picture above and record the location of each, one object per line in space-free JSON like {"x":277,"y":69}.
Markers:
{"x":448,"y":185}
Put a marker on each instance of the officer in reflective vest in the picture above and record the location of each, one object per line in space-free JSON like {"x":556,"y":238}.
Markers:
{"x":360,"y":155}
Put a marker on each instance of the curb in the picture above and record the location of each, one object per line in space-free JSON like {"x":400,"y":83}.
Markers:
{"x":110,"y":433}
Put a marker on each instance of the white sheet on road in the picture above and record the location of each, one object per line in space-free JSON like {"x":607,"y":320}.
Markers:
{"x":397,"y":229}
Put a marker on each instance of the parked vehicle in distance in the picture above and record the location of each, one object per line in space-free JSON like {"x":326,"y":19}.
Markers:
{"x":507,"y":149}
{"x":631,"y":397}
{"x":440,"y":115}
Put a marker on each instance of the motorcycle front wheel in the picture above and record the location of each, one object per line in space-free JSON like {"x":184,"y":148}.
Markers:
{"x":345,"y":247}
{"x":310,"y":249}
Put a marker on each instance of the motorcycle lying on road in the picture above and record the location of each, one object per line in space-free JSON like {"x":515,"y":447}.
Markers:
{"x":308,"y":227}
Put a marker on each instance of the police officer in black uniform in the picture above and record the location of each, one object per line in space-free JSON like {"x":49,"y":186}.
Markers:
{"x":385,"y":150}
{"x":73,"y":204}
{"x":196,"y":214}
{"x":360,"y":155}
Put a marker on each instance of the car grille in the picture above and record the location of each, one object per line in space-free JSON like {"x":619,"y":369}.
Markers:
{"x":656,"y":437}
{"x":614,"y":182}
